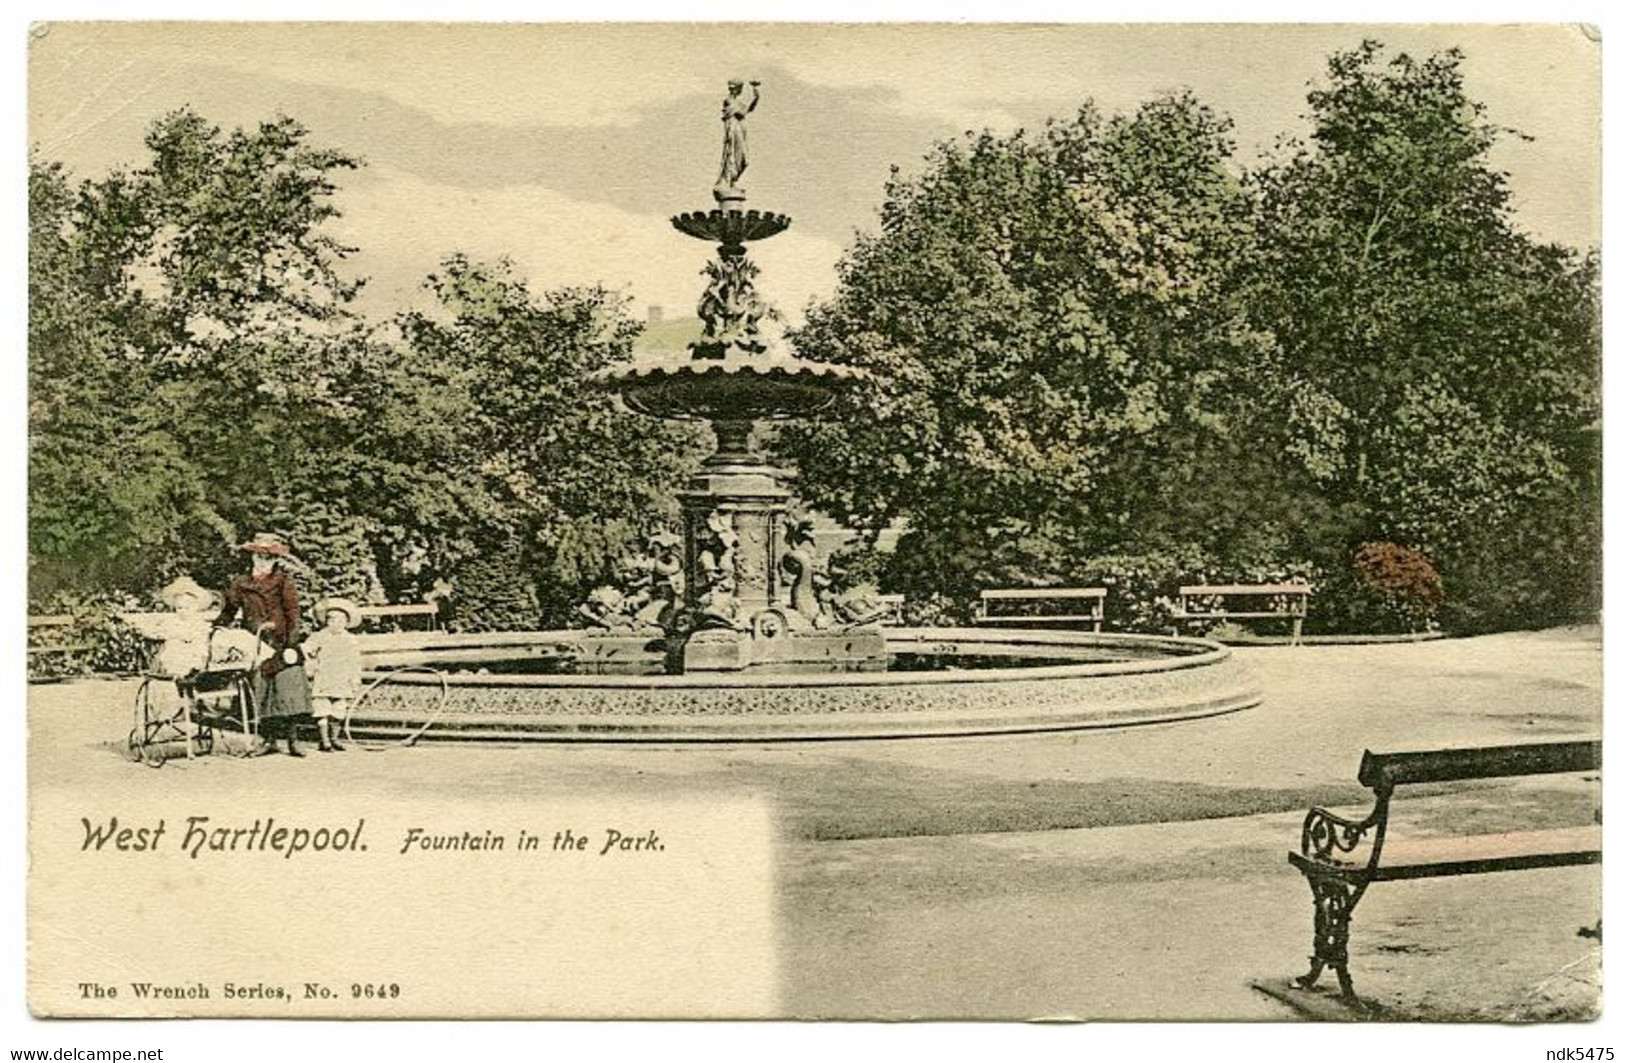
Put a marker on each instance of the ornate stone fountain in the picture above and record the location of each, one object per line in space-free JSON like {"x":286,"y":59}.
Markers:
{"x":730,"y":631}
{"x":753,"y":593}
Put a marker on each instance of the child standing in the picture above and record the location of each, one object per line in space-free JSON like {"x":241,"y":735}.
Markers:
{"x":333,"y":662}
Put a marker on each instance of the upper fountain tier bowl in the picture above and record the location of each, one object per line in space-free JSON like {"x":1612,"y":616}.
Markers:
{"x":731,"y":228}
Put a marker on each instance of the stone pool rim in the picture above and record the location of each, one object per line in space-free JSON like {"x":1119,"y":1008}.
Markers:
{"x":1199,"y":678}
{"x":1186,"y":652}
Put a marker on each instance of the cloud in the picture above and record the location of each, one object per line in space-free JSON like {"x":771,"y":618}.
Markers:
{"x":821,"y":154}
{"x":625,"y":118}
{"x":405,"y":225}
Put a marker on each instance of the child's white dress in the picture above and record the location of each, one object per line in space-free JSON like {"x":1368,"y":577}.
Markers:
{"x":333,"y":663}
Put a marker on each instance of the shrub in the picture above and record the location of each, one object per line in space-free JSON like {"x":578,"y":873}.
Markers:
{"x":494,"y":590}
{"x":856,"y":564}
{"x":1400,"y":582}
{"x":1142,"y":589}
{"x":104,"y":645}
{"x":1541,"y":569}
{"x":936,"y":610}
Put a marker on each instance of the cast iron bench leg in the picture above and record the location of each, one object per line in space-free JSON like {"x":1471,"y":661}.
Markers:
{"x":1334,"y":906}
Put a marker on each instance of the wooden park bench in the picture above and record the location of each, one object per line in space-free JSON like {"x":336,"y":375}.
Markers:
{"x":893,"y":603}
{"x":1078,"y":605}
{"x":376,"y":613}
{"x":1341,"y":857}
{"x":1262,"y":601}
{"x":38,"y":626}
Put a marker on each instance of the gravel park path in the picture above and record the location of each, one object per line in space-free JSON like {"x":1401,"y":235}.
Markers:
{"x":1130,"y":874}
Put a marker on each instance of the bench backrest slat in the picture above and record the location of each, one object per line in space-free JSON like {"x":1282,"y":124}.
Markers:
{"x":1387,"y":770}
{"x":399,"y":610}
{"x":1215,"y":589}
{"x":1044,"y":592}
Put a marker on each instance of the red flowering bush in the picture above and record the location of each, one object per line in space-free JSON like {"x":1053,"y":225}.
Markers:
{"x":1403,"y":579}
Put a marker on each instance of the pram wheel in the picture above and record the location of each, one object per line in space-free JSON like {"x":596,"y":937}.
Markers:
{"x":159,"y":720}
{"x":224,"y":701}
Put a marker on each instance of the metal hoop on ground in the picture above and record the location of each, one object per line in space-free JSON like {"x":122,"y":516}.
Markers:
{"x":408,"y":740}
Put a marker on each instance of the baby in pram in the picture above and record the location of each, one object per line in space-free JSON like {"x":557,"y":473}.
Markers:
{"x":191,"y":650}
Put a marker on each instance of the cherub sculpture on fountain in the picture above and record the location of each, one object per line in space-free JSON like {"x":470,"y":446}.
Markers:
{"x":715,"y":580}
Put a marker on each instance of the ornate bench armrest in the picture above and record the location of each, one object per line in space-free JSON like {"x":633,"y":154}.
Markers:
{"x":1326,"y":834}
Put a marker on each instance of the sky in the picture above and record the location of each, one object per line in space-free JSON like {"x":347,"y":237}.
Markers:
{"x":566,"y":147}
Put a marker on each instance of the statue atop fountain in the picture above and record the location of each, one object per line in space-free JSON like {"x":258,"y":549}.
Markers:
{"x":734,"y":111}
{"x":751,"y":596}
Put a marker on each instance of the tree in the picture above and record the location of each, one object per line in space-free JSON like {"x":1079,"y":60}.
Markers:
{"x":1053,"y":323}
{"x":554,"y":481}
{"x":198,"y":374}
{"x":109,"y":484}
{"x":186,"y":322}
{"x":1440,"y":364}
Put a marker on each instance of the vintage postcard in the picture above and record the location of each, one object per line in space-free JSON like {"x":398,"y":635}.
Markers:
{"x":815,"y":522}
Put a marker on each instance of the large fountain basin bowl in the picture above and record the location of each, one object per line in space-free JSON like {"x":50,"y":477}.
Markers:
{"x":735,"y":388}
{"x":454,"y":687}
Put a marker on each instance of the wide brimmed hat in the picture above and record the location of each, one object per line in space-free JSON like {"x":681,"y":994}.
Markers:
{"x":184,"y":593}
{"x":351,"y":611}
{"x":266,"y":543}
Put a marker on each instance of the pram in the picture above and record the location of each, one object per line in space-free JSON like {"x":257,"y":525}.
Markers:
{"x":195,"y":688}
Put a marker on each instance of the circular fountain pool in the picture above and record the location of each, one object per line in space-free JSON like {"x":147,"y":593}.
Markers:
{"x":940,"y":681}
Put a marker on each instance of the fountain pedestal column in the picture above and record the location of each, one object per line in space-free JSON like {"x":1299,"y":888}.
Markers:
{"x":738,"y":593}
{"x":733,"y":512}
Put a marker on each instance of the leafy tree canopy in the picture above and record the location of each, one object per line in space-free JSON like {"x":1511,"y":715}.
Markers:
{"x":565,"y":479}
{"x":198,"y":374}
{"x":186,"y":320}
{"x":1440,"y":360}
{"x":1107,"y":341}
{"x":1036,"y":308}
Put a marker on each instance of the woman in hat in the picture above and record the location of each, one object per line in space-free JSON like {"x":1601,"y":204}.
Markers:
{"x":269,"y":603}
{"x":333,"y":664}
